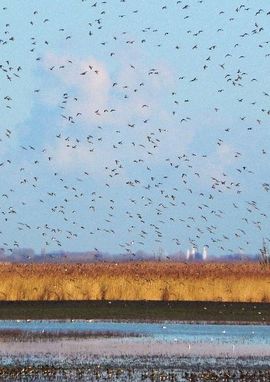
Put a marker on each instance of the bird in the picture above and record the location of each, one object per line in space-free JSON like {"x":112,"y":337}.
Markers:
{"x":108,"y":120}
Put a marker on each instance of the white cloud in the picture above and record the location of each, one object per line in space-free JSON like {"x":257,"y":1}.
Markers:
{"x":94,"y":90}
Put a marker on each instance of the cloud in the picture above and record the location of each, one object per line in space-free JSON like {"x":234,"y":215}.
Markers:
{"x":129,"y":100}
{"x":217,"y":165}
{"x":104,"y":97}
{"x":226,"y":154}
{"x":71,"y":159}
{"x":86,"y":82}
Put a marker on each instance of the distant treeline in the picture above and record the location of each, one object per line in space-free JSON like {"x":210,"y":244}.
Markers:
{"x":27,"y":255}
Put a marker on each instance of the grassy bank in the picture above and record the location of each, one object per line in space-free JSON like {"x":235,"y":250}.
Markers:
{"x":137,"y":310}
{"x":163,"y":281}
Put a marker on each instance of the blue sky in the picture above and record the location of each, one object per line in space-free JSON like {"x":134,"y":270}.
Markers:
{"x":133,"y":126}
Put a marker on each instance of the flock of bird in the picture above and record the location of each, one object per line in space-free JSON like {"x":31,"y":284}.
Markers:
{"x":131,"y":126}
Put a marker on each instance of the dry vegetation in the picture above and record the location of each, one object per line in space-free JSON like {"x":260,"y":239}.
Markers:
{"x":135,"y":281}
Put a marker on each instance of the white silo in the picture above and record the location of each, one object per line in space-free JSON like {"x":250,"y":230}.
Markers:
{"x":204,"y":254}
{"x":188,"y":254}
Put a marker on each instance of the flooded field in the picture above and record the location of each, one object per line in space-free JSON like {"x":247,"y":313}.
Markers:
{"x":101,"y":350}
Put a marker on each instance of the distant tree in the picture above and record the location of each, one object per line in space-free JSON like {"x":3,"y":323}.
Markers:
{"x":160,"y":254}
{"x":264,"y":255}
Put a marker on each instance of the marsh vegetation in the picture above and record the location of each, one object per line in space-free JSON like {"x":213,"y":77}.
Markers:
{"x":136,"y":281}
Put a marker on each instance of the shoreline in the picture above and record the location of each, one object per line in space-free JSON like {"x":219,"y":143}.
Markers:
{"x":111,"y":347}
{"x":153,"y":321}
{"x":136,"y":368}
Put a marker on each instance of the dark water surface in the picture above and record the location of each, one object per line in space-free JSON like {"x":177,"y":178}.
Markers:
{"x":219,"y":312}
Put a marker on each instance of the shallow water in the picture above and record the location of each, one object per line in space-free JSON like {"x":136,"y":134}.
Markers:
{"x":163,"y":331}
{"x":134,"y":350}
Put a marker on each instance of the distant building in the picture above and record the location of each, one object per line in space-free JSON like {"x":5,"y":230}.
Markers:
{"x":193,"y":252}
{"x":195,"y":255}
{"x":204,"y":254}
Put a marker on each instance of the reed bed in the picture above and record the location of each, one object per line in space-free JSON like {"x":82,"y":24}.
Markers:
{"x":241,"y":282}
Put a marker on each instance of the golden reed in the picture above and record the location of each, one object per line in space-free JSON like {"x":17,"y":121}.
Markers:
{"x":245,"y":282}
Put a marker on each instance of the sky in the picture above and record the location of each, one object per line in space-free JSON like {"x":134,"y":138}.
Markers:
{"x":129,"y":126}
